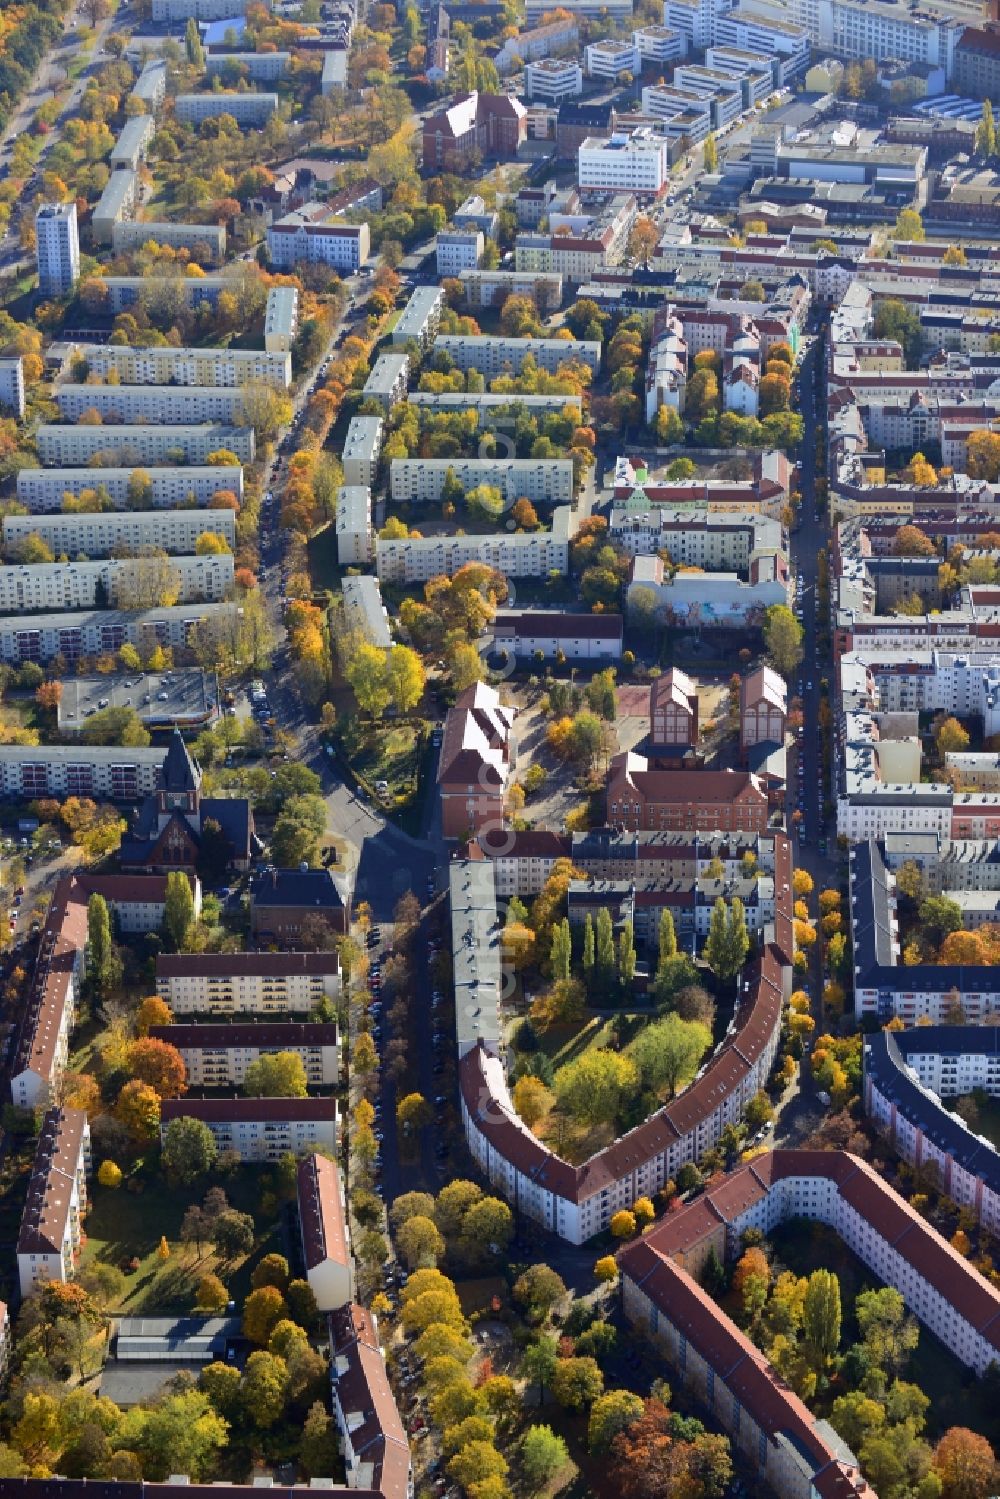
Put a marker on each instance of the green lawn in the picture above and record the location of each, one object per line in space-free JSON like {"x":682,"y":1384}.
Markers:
{"x":324,"y":569}
{"x":988,"y":1123}
{"x":565,"y":1043}
{"x":391,"y":753}
{"x":121,"y":1224}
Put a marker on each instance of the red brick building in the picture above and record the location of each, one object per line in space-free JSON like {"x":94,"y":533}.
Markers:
{"x":644,"y":800}
{"x":673,"y":711}
{"x":494,"y":125}
{"x":763,"y":708}
{"x":476,"y":757}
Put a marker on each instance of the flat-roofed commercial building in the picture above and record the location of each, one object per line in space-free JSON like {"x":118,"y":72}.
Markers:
{"x":170,"y":366}
{"x":102,"y":533}
{"x":100,"y":632}
{"x":67,"y":445}
{"x":362,"y":448}
{"x":420,"y":318}
{"x":545,"y":480}
{"x":43,"y":489}
{"x":553,"y":79}
{"x":128,"y":404}
{"x":79,"y":585}
{"x":247,"y":983}
{"x":630,"y":162}
{"x":116,"y":203}
{"x":260,"y":1129}
{"x":281,"y":319}
{"x":246,"y":109}
{"x":207,"y":242}
{"x":314,"y":234}
{"x":217,"y":1056}
{"x":183,"y":699}
{"x":494,"y":356}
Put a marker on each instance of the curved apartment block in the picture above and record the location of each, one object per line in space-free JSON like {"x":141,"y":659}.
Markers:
{"x":906,"y":1075}
{"x":577,"y":1202}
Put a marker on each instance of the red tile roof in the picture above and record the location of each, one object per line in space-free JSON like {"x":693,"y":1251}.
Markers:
{"x":321,"y":1213}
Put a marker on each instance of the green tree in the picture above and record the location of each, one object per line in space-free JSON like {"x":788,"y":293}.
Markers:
{"x":178,"y":908}
{"x":189,"y":1150}
{"x":318,"y":1446}
{"x":181,"y":1434}
{"x":610,"y":1414}
{"x":101,"y":959}
{"x":192,"y":44}
{"x":420,"y":1242}
{"x":592,"y":1086}
{"x":939,"y":916}
{"x":542,"y":1455}
{"x":782,"y":638}
{"x":898,"y":321}
{"x":888,"y":1333}
{"x":561,"y":950}
{"x":262,"y":1311}
{"x":233,"y":1234}
{"x":367,"y":674}
{"x":728,"y":941}
{"x":711,"y":154}
{"x":588,"y":949}
{"x":277,"y":1074}
{"x":537,"y":1290}
{"x":539,"y":1362}
{"x":668,"y":1052}
{"x":271,"y":1271}
{"x":577,"y":1382}
{"x":986,"y":135}
{"x":821,"y":1316}
{"x":626,"y":956}
{"x":264,"y":1388}
{"x":604,"y":965}
{"x":667,"y":939}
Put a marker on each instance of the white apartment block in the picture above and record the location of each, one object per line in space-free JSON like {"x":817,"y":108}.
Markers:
{"x":151,"y":85}
{"x":51,"y":1230}
{"x":608,"y":59}
{"x":354,"y":525}
{"x":545,"y":480}
{"x":532,"y":554}
{"x":588,"y":10}
{"x":281,"y":319}
{"x":169,"y":366}
{"x":260,"y":1129}
{"x":552,"y":79}
{"x":314,"y":235}
{"x":364,"y":612}
{"x":890,"y":808}
{"x":57,"y":248}
{"x":125,"y":292}
{"x":77,"y":585}
{"x":246,"y":109}
{"x":459,"y":250}
{"x":66,"y":446}
{"x":207,"y":242}
{"x":657,"y":45}
{"x":693,"y":19}
{"x":103,"y":533}
{"x":217,"y":1056}
{"x":262,"y":67}
{"x":633,"y":162}
{"x":275,"y":985}
{"x":12,"y":386}
{"x":420,"y":318}
{"x":388,"y":380}
{"x":785,"y":43}
{"x":498,"y":356}
{"x":362,"y":448}
{"x":115,"y":205}
{"x":871,"y":28}
{"x":132,"y":144}
{"x":97,"y":771}
{"x":199,"y":10}
{"x":128,"y":404}
{"x":105,"y":631}
{"x":43,"y":490}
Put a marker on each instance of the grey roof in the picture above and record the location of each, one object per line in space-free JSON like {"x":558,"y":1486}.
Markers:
{"x":296,"y":887}
{"x":187,"y":1338}
{"x":181,"y":771}
{"x":886,"y":1066}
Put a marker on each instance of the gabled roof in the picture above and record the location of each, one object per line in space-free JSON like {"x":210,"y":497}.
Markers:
{"x":180,"y":772}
